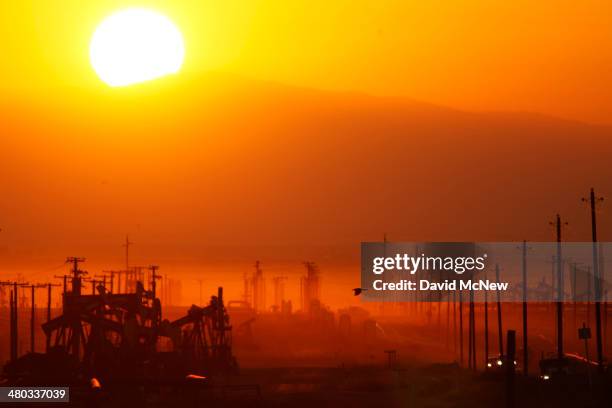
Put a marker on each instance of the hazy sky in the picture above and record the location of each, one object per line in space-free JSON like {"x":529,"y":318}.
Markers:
{"x":196,"y":164}
{"x":549,"y":56}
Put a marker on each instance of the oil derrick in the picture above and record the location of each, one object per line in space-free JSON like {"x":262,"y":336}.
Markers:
{"x":202,"y":337}
{"x":246,"y":290}
{"x":258,"y":289}
{"x":279,"y":292}
{"x":310,"y":286}
{"x":114,"y":336}
{"x":254,"y":289}
{"x":101,"y":330}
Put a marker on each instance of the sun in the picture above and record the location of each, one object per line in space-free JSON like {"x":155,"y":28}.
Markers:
{"x":136,"y":45}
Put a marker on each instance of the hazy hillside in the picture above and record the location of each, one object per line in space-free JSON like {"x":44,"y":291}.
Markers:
{"x":219,"y":161}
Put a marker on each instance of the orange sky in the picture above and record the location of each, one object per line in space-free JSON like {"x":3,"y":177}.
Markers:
{"x":254,"y":150}
{"x":549,"y":56}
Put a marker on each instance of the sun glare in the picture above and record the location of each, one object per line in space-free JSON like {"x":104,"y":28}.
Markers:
{"x":135,"y":45}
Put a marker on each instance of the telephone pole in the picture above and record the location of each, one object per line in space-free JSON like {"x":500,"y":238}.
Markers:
{"x":486,"y":326}
{"x":593,"y":200}
{"x":49,"y":286}
{"x":33,"y":287}
{"x":460,"y":327}
{"x":14,"y":320}
{"x":127,"y":251}
{"x":525,"y":352}
{"x":500,"y":331}
{"x":472,"y":330}
{"x":14,"y":323}
{"x":154,"y":277}
{"x":76,"y":273}
{"x":32,"y":319}
{"x":76,"y":290}
{"x":12,"y":304}
{"x":558,"y":224}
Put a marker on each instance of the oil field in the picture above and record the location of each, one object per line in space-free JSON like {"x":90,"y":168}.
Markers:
{"x":305,"y":203}
{"x":114,"y":343}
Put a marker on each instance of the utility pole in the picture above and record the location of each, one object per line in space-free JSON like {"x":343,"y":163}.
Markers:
{"x":154,"y":277}
{"x":93,"y":284}
{"x":76,"y":273}
{"x":560,"y":287}
{"x":14,"y":325}
{"x":11,"y":315}
{"x":486,"y":325}
{"x":2,"y":293}
{"x":573,"y":281}
{"x":510,"y":371}
{"x":470,"y":339}
{"x":499,"y":316}
{"x":76,"y":290}
{"x":112,"y":275}
{"x":33,"y":287}
{"x":154,"y":301}
{"x":127,"y":251}
{"x":64,"y":279}
{"x":49,"y":286}
{"x":15,"y":320}
{"x":525,"y":352}
{"x":472,"y":331}
{"x":460,"y":328}
{"x":32,"y":319}
{"x":593,"y":200}
{"x":553,"y":265}
{"x":165,"y":291}
{"x":447,"y":320}
{"x":454,"y":320}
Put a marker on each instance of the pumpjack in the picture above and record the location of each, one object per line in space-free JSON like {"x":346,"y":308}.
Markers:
{"x":118,"y":337}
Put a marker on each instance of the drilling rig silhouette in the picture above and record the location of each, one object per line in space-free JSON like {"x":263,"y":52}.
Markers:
{"x":119,"y":337}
